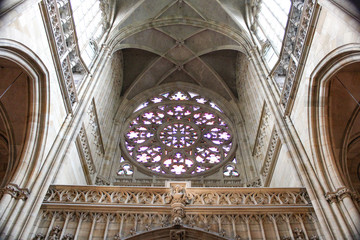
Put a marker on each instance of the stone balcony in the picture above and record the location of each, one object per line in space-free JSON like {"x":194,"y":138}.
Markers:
{"x":97,"y":212}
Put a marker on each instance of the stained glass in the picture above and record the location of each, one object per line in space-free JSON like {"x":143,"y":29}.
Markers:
{"x":179,"y":134}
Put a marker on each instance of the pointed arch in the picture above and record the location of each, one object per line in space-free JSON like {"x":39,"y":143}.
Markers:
{"x":27,"y":161}
{"x":176,"y":232}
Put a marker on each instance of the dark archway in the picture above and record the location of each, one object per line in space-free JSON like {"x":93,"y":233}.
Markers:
{"x":15,"y":101}
{"x":23,"y":112}
{"x":177,"y":233}
{"x":333,"y":107}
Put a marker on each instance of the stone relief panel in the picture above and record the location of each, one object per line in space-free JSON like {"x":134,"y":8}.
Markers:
{"x":270,"y":156}
{"x":95,"y":129}
{"x":85,"y":151}
{"x":262,"y":132}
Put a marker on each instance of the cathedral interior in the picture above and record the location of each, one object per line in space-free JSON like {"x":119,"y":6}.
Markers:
{"x":179,"y":119}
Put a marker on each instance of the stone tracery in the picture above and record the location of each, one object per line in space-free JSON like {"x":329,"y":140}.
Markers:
{"x":179,"y":134}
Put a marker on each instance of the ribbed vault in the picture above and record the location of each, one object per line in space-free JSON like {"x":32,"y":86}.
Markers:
{"x":188,"y":41}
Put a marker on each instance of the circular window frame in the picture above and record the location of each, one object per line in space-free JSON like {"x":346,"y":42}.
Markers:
{"x":205,"y":107}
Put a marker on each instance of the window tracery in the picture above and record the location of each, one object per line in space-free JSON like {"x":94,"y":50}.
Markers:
{"x":179,"y":134}
{"x":230,"y":169}
{"x":126,"y":169}
{"x":269,"y":22}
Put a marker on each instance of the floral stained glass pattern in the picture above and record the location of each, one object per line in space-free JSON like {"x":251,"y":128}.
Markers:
{"x":179,"y":134}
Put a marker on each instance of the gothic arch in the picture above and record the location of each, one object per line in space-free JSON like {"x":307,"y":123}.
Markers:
{"x":34,"y":78}
{"x":6,"y":147}
{"x":175,"y":233}
{"x":326,"y":163}
{"x":331,"y":117}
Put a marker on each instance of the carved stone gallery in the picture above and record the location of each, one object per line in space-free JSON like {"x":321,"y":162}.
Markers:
{"x":179,"y":119}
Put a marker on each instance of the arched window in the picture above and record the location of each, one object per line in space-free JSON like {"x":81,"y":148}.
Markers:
{"x":270,"y":19}
{"x":179,"y":134}
{"x":88,"y":24}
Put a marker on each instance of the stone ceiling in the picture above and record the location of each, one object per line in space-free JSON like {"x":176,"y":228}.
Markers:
{"x":191,"y":41}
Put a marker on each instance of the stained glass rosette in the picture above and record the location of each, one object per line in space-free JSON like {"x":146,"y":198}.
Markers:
{"x":178,"y":137}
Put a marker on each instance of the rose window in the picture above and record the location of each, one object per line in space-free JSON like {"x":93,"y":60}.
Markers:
{"x":178,"y":134}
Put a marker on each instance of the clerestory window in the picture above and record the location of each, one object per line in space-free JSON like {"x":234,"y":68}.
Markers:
{"x":270,"y":21}
{"x":88,"y":24}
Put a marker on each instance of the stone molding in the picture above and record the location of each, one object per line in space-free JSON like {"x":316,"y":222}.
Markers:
{"x":86,"y":153}
{"x":262,"y":132}
{"x":271,"y":152}
{"x":15,"y":191}
{"x":166,"y":196}
{"x":95,"y":129}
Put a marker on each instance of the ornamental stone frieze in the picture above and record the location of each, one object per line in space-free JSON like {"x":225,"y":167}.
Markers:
{"x":262,"y":131}
{"x":15,"y":191}
{"x":95,"y":129}
{"x":161,"y":196}
{"x":270,"y":155}
{"x":226,"y":213}
{"x":85,"y":149}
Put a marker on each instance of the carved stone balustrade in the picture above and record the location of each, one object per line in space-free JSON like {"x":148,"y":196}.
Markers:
{"x":106,"y":212}
{"x":294,"y":48}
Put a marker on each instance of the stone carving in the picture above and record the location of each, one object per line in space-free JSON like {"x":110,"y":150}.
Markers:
{"x":264,"y":123}
{"x":68,"y":237}
{"x":343,"y":192}
{"x":39,"y":236}
{"x":15,"y":191}
{"x":69,"y":81}
{"x":101,"y":181}
{"x":192,"y":196}
{"x":178,"y":201}
{"x":86,"y":151}
{"x":177,"y":235}
{"x":56,"y":26}
{"x":209,"y":222}
{"x":340,"y":194}
{"x":63,"y":35}
{"x":105,"y":14}
{"x":331,"y":197}
{"x":255,"y":183}
{"x":270,"y":153}
{"x":298,"y":234}
{"x":95,"y":127}
{"x":294,"y":41}
{"x":55,"y":233}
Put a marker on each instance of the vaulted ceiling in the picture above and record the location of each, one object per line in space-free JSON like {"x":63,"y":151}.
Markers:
{"x":191,"y":41}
